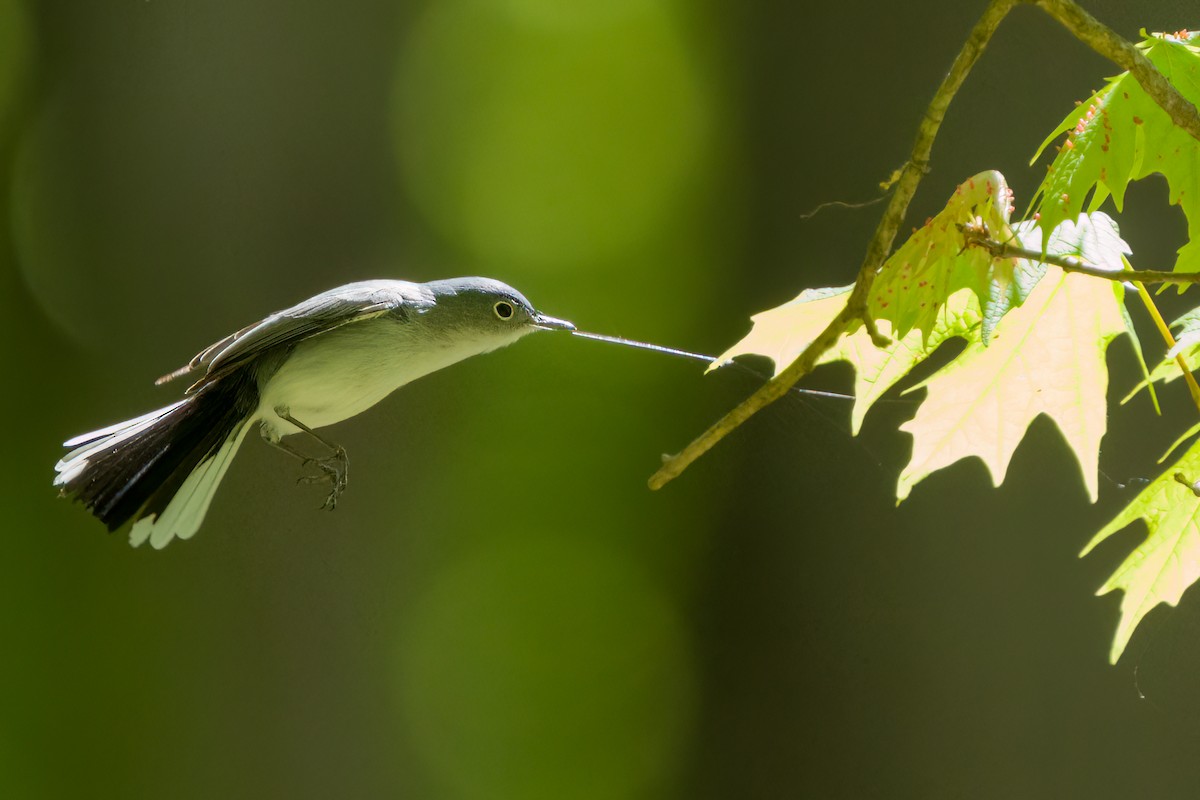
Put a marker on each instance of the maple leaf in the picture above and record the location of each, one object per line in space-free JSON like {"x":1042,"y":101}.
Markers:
{"x":782,"y":333}
{"x":916,"y":281}
{"x":1119,"y":135}
{"x":1092,"y":238}
{"x":1168,"y":561}
{"x":1047,"y":357}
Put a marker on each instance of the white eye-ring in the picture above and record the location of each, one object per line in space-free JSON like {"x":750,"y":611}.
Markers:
{"x":503,"y":309}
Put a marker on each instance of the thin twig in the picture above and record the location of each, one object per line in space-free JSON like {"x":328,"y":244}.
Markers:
{"x":842,"y":204}
{"x":878,"y":249}
{"x":976,"y":237}
{"x":1107,"y":43}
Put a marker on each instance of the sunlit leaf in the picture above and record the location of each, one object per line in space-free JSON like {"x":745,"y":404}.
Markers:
{"x":1120,"y":135}
{"x":1093,"y":238}
{"x":1168,"y":561}
{"x":782,"y":333}
{"x":1183,"y":437}
{"x":916,"y":281}
{"x":1187,"y":344}
{"x":1047,"y":357}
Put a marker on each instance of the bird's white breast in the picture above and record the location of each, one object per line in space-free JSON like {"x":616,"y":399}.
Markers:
{"x":336,"y":375}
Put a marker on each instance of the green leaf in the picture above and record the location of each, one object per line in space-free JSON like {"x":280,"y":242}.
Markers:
{"x":1183,"y":437}
{"x":1168,"y":561}
{"x":914,"y":284}
{"x":782,"y":333}
{"x":1187,"y":340}
{"x":1047,"y":357}
{"x":1120,"y":135}
{"x":1187,"y":344}
{"x":1093,"y":238}
{"x":878,"y":369}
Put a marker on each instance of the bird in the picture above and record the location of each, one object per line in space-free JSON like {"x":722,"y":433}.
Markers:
{"x":324,"y":360}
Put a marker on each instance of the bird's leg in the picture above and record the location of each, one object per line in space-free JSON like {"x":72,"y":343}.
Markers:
{"x":335,"y":468}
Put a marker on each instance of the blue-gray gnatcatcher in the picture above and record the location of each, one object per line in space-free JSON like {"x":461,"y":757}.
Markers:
{"x":314,"y":364}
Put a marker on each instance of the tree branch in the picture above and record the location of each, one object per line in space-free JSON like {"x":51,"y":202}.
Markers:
{"x":1084,"y":27}
{"x":877,"y":250}
{"x":1107,"y":43}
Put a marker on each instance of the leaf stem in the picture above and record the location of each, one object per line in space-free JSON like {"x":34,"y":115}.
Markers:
{"x":1164,"y":330}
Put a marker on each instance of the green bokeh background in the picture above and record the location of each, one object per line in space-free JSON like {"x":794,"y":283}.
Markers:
{"x":499,"y":607}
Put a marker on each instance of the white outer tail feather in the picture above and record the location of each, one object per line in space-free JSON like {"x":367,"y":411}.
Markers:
{"x":75,"y":461}
{"x":184,"y":514}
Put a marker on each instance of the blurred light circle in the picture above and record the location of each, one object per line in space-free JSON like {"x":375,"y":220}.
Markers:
{"x":56,"y":230}
{"x":546,"y":667}
{"x":575,"y":14}
{"x":546,"y":147}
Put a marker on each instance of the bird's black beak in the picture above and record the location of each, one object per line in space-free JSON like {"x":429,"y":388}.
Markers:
{"x":546,"y":323}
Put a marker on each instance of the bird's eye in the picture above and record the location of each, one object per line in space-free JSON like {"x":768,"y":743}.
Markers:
{"x":503,"y":310}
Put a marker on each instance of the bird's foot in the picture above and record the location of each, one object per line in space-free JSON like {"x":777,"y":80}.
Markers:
{"x":335,"y":470}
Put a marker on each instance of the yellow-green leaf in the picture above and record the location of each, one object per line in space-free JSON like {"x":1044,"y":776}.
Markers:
{"x":1168,"y":561}
{"x":916,"y":281}
{"x":782,"y":333}
{"x":1047,"y":357}
{"x":1187,"y":344}
{"x":1119,"y":135}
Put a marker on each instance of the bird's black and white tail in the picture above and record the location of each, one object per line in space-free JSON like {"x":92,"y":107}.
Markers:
{"x":161,"y":469}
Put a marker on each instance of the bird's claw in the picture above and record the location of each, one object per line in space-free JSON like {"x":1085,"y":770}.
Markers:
{"x":334,"y":471}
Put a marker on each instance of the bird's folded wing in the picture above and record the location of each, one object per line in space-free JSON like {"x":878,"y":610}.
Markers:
{"x":354,"y":302}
